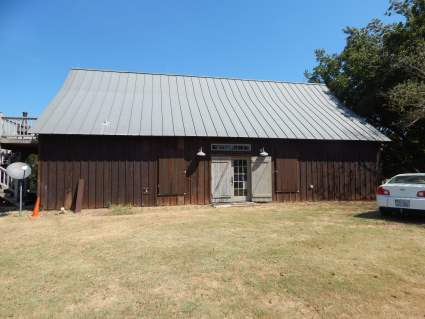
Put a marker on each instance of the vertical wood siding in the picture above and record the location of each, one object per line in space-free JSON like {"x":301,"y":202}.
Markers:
{"x":125,"y":170}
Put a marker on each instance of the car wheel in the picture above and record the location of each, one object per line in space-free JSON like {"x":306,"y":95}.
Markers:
{"x":384,"y":211}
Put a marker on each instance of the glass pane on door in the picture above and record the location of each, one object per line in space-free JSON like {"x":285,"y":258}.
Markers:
{"x":240,"y":177}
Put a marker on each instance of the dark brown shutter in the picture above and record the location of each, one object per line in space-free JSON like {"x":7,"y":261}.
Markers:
{"x":171,"y":176}
{"x":287,"y":176}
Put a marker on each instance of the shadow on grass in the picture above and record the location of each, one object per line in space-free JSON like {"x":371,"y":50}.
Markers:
{"x":409,"y":217}
{"x":7,"y":209}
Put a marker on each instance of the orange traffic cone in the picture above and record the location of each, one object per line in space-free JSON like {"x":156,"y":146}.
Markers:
{"x":36,"y":211}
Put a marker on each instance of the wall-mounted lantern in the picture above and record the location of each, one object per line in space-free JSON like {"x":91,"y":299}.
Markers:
{"x":263,"y":152}
{"x":200,"y":152}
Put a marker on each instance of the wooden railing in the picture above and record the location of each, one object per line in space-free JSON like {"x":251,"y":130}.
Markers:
{"x":16,"y":126}
{"x":7,"y":182}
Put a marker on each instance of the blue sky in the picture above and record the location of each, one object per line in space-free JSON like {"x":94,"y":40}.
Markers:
{"x":41,"y":40}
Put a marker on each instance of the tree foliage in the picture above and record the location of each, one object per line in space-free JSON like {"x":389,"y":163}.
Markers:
{"x":380,"y":74}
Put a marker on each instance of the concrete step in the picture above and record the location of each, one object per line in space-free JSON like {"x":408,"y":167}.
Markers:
{"x":235,"y":204}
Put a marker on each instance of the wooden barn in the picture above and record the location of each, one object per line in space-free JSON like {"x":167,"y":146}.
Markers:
{"x":155,"y":139}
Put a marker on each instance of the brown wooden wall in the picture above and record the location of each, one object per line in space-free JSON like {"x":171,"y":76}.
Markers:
{"x":125,"y":170}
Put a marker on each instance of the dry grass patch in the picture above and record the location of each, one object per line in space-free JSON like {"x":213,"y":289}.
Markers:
{"x":315,"y":260}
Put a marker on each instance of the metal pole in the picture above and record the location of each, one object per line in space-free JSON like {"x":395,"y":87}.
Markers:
{"x":20,"y":197}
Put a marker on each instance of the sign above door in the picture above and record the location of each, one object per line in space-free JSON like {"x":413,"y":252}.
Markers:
{"x":231,"y":147}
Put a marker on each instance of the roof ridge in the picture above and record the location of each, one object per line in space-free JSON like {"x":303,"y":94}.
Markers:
{"x":193,"y":76}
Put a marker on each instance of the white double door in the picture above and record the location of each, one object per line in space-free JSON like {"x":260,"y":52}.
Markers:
{"x":239,"y":179}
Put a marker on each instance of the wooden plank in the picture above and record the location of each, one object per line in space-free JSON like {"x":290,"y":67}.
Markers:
{"x":164,"y":172}
{"x":303,"y":180}
{"x":181,"y":176}
{"x":76,"y":170}
{"x":320,"y":181}
{"x":115,"y":155}
{"x":314,"y":180}
{"x":44,"y":188}
{"x":207,"y":187}
{"x":60,"y":178}
{"x":370,"y":182}
{"x":308,"y":180}
{"x":91,"y":183}
{"x":274,"y":194}
{"x":137,"y":182}
{"x":99,"y":189}
{"x":153,"y":181}
{"x":43,"y":173}
{"x":357,"y":189}
{"x":341,"y":177}
{"x":68,"y":174}
{"x":325,"y":177}
{"x":190,"y":158}
{"x":362,"y":181}
{"x":346,"y":168}
{"x":85,"y":170}
{"x":331,"y":179}
{"x":366,"y":180}
{"x":52,"y":192}
{"x":53,"y":202}
{"x":352,"y":179}
{"x":337,"y":176}
{"x":129,"y":172}
{"x":114,"y":182}
{"x":107,"y":182}
{"x":194,"y":182}
{"x":144,"y":172}
{"x":187,"y":184}
{"x":122,"y":176}
{"x":200,"y":183}
{"x":80,"y":194}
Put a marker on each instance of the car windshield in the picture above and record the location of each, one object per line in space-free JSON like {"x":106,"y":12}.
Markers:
{"x":408,"y":179}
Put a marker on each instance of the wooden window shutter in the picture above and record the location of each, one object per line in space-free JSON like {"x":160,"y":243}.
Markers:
{"x":261,"y":179}
{"x":171,"y":176}
{"x":287,"y":177}
{"x":221,"y":183}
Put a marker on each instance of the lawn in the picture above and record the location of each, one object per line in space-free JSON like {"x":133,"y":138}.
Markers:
{"x":313,"y":260}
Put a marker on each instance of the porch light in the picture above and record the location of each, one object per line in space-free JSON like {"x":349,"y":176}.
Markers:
{"x":200,"y":153}
{"x":263,"y":152}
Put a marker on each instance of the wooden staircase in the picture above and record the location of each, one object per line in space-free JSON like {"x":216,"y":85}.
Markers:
{"x":8,"y":188}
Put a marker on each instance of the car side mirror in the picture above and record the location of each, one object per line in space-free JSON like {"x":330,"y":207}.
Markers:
{"x":385,"y":181}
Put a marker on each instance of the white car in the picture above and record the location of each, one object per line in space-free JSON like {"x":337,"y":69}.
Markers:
{"x":404,"y":192}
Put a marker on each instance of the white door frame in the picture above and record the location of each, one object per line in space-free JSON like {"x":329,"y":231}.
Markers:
{"x":247,"y":197}
{"x":232,"y":198}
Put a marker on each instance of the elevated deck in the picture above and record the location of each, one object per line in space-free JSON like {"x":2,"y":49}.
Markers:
{"x":15,"y":132}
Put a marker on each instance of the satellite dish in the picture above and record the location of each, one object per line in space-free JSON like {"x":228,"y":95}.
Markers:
{"x":18,"y":170}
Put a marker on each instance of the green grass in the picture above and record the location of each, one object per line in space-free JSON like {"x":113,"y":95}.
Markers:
{"x":313,"y":260}
{"x":120,"y":210}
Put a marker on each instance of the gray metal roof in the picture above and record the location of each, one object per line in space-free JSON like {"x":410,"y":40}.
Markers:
{"x":99,"y":102}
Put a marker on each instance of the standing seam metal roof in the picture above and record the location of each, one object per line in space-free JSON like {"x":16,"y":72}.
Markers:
{"x":99,"y":102}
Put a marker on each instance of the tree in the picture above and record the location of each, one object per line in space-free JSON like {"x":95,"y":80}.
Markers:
{"x":380,"y":74}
